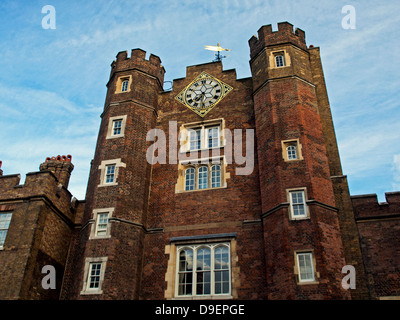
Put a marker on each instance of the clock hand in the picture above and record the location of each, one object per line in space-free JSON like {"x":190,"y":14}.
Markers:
{"x":201,"y":98}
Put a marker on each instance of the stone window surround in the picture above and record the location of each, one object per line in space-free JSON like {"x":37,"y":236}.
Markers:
{"x":86,"y":275}
{"x":94,"y":222}
{"x":103,"y":167}
{"x":110,"y":128}
{"x":197,"y":163}
{"x":286,"y":143}
{"x":170,"y":276}
{"x":296,"y":268}
{"x":194,"y":248}
{"x":274,"y":53}
{"x":289,"y":198}
{"x":184,"y":136}
{"x":119,"y":84}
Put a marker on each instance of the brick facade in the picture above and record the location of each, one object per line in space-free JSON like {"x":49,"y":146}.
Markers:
{"x":152,"y":219}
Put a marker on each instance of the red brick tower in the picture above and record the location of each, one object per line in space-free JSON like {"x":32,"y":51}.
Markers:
{"x":301,"y":229}
{"x":112,"y":231}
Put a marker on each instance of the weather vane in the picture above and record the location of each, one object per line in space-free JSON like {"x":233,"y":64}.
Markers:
{"x":218,"y":49}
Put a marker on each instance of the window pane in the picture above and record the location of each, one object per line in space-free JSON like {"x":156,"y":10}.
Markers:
{"x":216,"y":176}
{"x":306,"y":272}
{"x":110,"y":171}
{"x":185,"y":272}
{"x":124,"y":86}
{"x":291,"y":152}
{"x":203,"y":277}
{"x":117,"y":125}
{"x":102,"y":223}
{"x":94,"y":277}
{"x":203,"y":177}
{"x":213,"y":137}
{"x":189,"y":179}
{"x":298,"y":210}
{"x":5,"y":219}
{"x":298,"y":204}
{"x":221,"y":267}
{"x":195,"y":141}
{"x":279,"y":61}
{"x":3,"y":234}
{"x":221,"y":258}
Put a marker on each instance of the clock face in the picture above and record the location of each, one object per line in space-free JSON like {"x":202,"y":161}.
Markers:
{"x":203,"y":93}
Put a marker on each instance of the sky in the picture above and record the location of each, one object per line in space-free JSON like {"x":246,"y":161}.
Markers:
{"x":53,"y":81}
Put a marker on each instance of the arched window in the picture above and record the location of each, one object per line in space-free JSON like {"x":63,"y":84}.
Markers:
{"x":279,"y":61}
{"x":203,"y":269}
{"x":124,"y":86}
{"x":291,"y":152}
{"x":215,"y":176}
{"x":221,"y":270}
{"x":203,"y":177}
{"x":189,"y":179}
{"x":185,"y":272}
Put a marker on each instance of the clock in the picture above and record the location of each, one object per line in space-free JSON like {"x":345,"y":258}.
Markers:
{"x":203,"y":93}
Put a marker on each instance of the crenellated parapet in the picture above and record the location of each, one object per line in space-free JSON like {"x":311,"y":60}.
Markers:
{"x":285,"y":34}
{"x":138,"y":61}
{"x":368,"y":207}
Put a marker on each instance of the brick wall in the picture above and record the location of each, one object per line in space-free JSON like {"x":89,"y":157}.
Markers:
{"x":379,"y":226}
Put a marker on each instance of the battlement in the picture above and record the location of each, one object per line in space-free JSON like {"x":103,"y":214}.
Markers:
{"x":36,"y":184}
{"x":368,"y":207}
{"x":137,"y":60}
{"x":285,"y":34}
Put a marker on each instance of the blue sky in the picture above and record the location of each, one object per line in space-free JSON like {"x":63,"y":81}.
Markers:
{"x":53,"y":82}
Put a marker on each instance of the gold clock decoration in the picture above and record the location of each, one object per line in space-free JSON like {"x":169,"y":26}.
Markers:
{"x":203,"y":93}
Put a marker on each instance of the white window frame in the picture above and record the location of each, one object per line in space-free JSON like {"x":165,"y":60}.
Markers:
{"x":194,"y":248}
{"x":211,"y":176}
{"x":4,"y":226}
{"x":207,"y":137}
{"x":120,"y":84}
{"x":286,"y":144}
{"x":203,"y":177}
{"x":103,"y":172}
{"x":89,"y":262}
{"x":290,"y":193}
{"x":291,"y":152}
{"x":188,"y":187}
{"x":195,"y":135}
{"x":200,"y":163}
{"x":187,"y":132}
{"x":203,"y":136}
{"x":308,"y":254}
{"x":109,"y":177}
{"x":273,"y":58}
{"x":96,"y":220}
{"x":282,"y":60}
{"x":125,"y":85}
{"x":110,"y":129}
